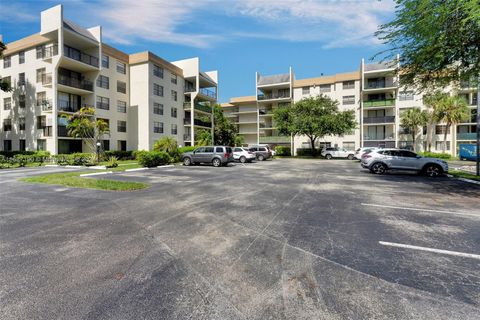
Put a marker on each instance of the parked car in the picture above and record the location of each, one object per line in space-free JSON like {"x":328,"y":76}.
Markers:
{"x":360,"y":151}
{"x":262,"y":152}
{"x":330,"y":153}
{"x":243,"y":155}
{"x":216,"y":155}
{"x":379,"y":161}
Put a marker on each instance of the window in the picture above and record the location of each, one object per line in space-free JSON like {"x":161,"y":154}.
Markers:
{"x":403,"y":130}
{"x":158,"y":108}
{"x":105,"y":61}
{"x":40,"y":74}
{"x":158,"y":71}
{"x":408,"y":145}
{"x":121,"y":126}
{"x":41,"y":144}
{"x":7,"y":124}
{"x":122,"y":145}
{"x":7,"y":103}
{"x":21,"y":124}
{"x":174,"y":78}
{"x":103,"y":103}
{"x":21,"y":57}
{"x":7,"y":62}
{"x":41,"y":122}
{"x":121,"y":67}
{"x":237,"y":149}
{"x":209,"y":149}
{"x":157,"y":90}
{"x":121,"y":87}
{"x":7,"y":145}
{"x":21,"y":79}
{"x":219,"y":149}
{"x":157,"y":127}
{"x":103,"y":82}
{"x":406,"y":95}
{"x":173,"y":112}
{"x":105,"y":145}
{"x":348,"y":100}
{"x":174,"y":128}
{"x":440,"y":129}
{"x":439,"y":145}
{"x":7,"y":80}
{"x":306,"y":90}
{"x":22,"y":145}
{"x":21,"y":101}
{"x":325,"y":87}
{"x":174,"y":95}
{"x":41,"y":98}
{"x":407,"y":154}
{"x":121,"y":106}
{"x":349,"y":145}
{"x":348,"y":85}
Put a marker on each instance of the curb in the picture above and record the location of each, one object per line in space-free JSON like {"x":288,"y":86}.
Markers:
{"x":95,"y":174}
{"x":136,"y":169}
{"x":469,"y":181}
{"x":166,"y":166}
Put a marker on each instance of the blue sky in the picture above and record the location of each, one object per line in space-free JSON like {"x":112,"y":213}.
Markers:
{"x":235,"y":37}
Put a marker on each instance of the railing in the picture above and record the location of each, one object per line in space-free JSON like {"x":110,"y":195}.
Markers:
{"x":47,"y":131}
{"x":186,"y":137}
{"x":208,"y":93}
{"x":265,"y":111}
{"x":272,"y":96}
{"x":78,"y":55}
{"x":46,"y":79}
{"x":379,"y":144}
{"x":388,"y":119}
{"x":275,"y":139}
{"x":197,"y":106}
{"x":201,"y":123}
{"x":189,"y":89}
{"x":379,"y":103}
{"x":467,"y":136}
{"x":73,"y":82}
{"x":47,"y":52}
{"x":378,"y":138}
{"x":62,"y":131}
{"x":381,"y":84}
{"x":67,"y":106}
{"x":46,"y":104}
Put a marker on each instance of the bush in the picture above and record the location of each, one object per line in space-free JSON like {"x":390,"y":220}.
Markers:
{"x":186,"y":149}
{"x":112,"y":162}
{"x":120,"y":155}
{"x":306,"y":152}
{"x":22,"y":159}
{"x":4,"y":163}
{"x":169,"y":146}
{"x":283,"y":151}
{"x":153,"y":158}
{"x":82,"y":159}
{"x":11,"y":154}
{"x":444,"y":156}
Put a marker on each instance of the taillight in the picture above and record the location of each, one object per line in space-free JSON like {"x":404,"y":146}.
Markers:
{"x":366,"y":156}
{"x":225,"y":155}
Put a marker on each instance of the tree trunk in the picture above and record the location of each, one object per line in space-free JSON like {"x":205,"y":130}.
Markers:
{"x":444,"y":147}
{"x":312,"y":143}
{"x":414,"y":134}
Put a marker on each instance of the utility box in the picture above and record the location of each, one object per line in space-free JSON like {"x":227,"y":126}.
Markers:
{"x":468,"y":152}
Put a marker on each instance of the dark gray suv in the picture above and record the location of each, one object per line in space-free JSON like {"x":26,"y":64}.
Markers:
{"x":262,"y":152}
{"x":216,"y":155}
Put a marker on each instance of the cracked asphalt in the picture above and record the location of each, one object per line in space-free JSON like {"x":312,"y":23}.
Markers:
{"x":282,"y":239}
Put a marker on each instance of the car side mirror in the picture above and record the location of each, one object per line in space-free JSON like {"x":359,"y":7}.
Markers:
{"x":418,"y":157}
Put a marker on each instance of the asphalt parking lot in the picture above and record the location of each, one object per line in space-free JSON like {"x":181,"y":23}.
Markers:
{"x":282,"y":239}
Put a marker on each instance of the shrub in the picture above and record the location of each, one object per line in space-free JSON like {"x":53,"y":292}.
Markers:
{"x":283,"y":151}
{"x":444,"y":156}
{"x":4,"y":162}
{"x":82,"y":159}
{"x":168,"y":145}
{"x":186,"y":149}
{"x":41,"y":157}
{"x":112,"y":162}
{"x":305,"y":152}
{"x":11,"y":154}
{"x":152,"y":158}
{"x":22,"y":159}
{"x":120,"y":155}
{"x":91,"y":160}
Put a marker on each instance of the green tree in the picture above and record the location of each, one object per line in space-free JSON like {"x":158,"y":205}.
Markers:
{"x":438,"y":41}
{"x":432,"y":101}
{"x":239,"y":140}
{"x":203,"y":138}
{"x":225,"y":131}
{"x":4,"y":85}
{"x":450,"y":110}
{"x":412,"y":119}
{"x":168,"y":145}
{"x":314,"y":117}
{"x":83,"y":124}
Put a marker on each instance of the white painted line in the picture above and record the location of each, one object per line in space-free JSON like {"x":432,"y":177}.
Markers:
{"x":74,"y":167}
{"x":136,"y":169}
{"x":447,"y":252}
{"x":469,"y":181}
{"x":51,"y":165}
{"x":166,"y":166}
{"x":95,"y":174}
{"x":420,"y":209}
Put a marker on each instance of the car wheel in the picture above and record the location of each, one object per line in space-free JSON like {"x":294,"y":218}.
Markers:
{"x":328,"y":156}
{"x":378,"y":168}
{"x":187,"y":161}
{"x":350,"y":157}
{"x":261,"y":158}
{"x":432,"y":170}
{"x":216,"y":162}
{"x":243,"y":159}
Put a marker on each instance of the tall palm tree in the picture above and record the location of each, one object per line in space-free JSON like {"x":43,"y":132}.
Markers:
{"x":412,"y":119}
{"x":432,"y":101}
{"x":451,"y":110}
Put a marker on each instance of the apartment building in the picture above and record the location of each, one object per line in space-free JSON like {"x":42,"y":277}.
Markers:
{"x":64,"y":67}
{"x":372,"y":92}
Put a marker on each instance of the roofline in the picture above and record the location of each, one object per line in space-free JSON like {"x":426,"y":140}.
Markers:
{"x":338,"y":77}
{"x":25,"y":43}
{"x":146,"y":56}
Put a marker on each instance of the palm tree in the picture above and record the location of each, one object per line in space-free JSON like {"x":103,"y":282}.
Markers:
{"x":451,"y":110}
{"x":412,"y":119}
{"x":432,"y":102}
{"x":83,"y":124}
{"x":166,"y":144}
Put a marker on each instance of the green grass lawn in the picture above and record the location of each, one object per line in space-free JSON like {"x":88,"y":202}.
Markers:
{"x":463,"y":174}
{"x":73,"y":179}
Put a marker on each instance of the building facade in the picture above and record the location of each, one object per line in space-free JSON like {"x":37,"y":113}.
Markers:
{"x":372,"y":92}
{"x":64,"y":67}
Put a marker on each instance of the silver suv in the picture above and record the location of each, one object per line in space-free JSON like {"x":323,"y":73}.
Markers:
{"x":216,"y":155}
{"x":379,"y":161}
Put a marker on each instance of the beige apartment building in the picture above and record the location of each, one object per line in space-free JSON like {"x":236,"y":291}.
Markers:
{"x":372,"y":92}
{"x":64,"y":67}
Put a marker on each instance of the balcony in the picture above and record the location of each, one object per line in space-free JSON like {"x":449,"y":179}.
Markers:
{"x":467,"y":136}
{"x":198,"y":107}
{"x":197,"y":122}
{"x":47,"y":52}
{"x":78,"y":55}
{"x":271,"y":96}
{"x":62,"y":131}
{"x":46,"y":104}
{"x":187,"y":137}
{"x":47,"y":131}
{"x":275,"y":139}
{"x":75,"y":83}
{"x":378,"y":138}
{"x":208,"y":93}
{"x":388,"y":119}
{"x":379,"y":144}
{"x":379,"y":103}
{"x":67,"y":106}
{"x":46,"y":79}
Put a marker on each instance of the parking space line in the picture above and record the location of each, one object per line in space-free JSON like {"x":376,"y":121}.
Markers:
{"x":447,"y":252}
{"x":420,"y":209}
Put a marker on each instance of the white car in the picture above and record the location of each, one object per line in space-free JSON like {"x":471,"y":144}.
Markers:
{"x":243,"y":155}
{"x":360,"y":151}
{"x":329,"y":153}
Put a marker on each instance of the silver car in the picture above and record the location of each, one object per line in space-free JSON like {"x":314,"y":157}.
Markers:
{"x":216,"y":155}
{"x":379,"y":161}
{"x":360,"y":151}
